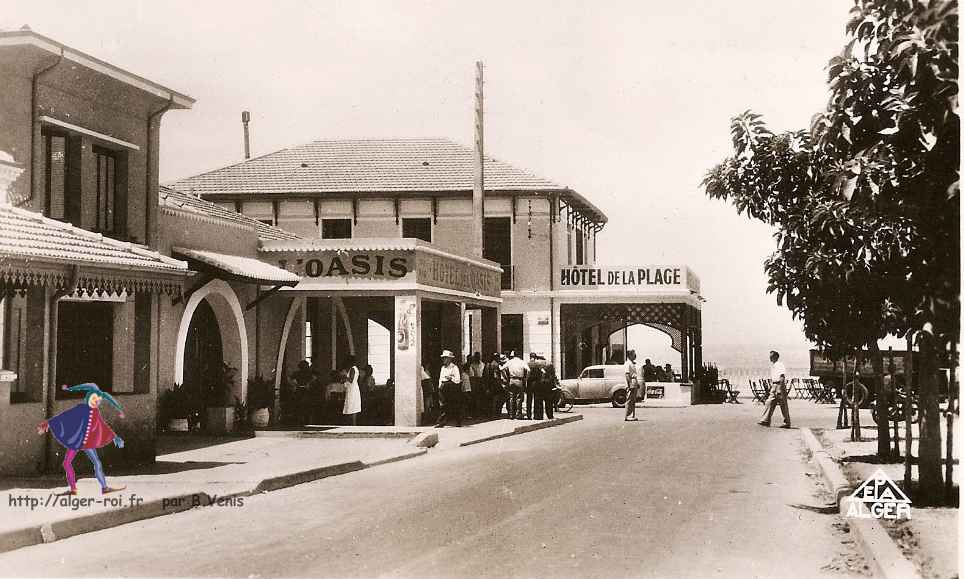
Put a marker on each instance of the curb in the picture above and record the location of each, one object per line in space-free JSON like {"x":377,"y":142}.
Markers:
{"x":883,"y":554}
{"x":62,"y":529}
{"x":524,"y":429}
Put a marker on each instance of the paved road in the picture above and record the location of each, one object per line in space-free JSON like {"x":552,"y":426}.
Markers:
{"x":694,"y":492}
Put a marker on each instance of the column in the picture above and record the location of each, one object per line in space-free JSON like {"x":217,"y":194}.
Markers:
{"x":407,"y":347}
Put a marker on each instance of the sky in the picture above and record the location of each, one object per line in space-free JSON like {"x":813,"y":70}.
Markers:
{"x":628,"y":103}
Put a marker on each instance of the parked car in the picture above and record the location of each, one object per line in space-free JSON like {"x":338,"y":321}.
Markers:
{"x":598,"y":384}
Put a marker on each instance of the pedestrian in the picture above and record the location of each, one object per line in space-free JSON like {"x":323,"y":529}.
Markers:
{"x":465,"y":403}
{"x":450,"y":389}
{"x":429,"y":395}
{"x":778,"y":392}
{"x":649,"y":371}
{"x":353,"y":402}
{"x":632,"y":385}
{"x":369,"y":392}
{"x":534,"y":388}
{"x":302,"y":384}
{"x":335,"y":395}
{"x":517,"y":373}
{"x":550,"y":389}
{"x":480,"y":408}
{"x":494,"y":388}
{"x":668,"y":372}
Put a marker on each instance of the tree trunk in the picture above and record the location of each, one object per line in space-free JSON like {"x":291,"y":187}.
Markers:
{"x":883,"y":403}
{"x":929,"y":473}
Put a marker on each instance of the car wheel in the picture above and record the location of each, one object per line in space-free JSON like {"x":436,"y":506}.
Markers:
{"x":619,"y":398}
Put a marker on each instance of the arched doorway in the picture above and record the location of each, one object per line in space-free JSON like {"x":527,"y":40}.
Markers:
{"x":216,"y":299}
{"x":203,"y":351}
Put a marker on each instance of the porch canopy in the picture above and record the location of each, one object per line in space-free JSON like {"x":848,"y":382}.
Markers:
{"x":38,"y":251}
{"x":593,"y":302}
{"x":236,"y":267}
{"x":416,"y":290}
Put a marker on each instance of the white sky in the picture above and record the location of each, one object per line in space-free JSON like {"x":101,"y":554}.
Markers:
{"x":626,"y":102}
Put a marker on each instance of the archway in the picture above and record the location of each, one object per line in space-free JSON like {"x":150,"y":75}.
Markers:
{"x":223,"y":303}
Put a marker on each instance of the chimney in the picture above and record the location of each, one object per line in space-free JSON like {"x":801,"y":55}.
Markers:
{"x":245,"y":119}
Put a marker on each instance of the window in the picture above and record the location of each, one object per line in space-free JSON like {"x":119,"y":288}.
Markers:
{"x":593,"y":373}
{"x":512,"y":332}
{"x":308,"y":341}
{"x":85,"y":343}
{"x":106,"y":187}
{"x":580,"y":247}
{"x":61,"y":183}
{"x":418,"y":228}
{"x":336,"y":228}
{"x":497,"y":245}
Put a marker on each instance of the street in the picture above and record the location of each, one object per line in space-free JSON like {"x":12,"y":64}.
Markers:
{"x":684,"y":492}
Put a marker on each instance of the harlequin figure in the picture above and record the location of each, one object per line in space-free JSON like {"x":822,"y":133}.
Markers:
{"x":83,"y":428}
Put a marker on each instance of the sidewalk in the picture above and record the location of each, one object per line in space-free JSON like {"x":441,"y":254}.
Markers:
{"x":930,"y":538}
{"x":206,"y":471}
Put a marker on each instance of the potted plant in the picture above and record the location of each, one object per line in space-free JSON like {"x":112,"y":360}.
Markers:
{"x":260,"y":400}
{"x":221,"y":400}
{"x":175,"y":408}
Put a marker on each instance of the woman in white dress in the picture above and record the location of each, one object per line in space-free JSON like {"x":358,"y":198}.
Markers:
{"x":352,"y":392}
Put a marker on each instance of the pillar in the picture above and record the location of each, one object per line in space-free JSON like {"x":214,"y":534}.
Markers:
{"x":407,"y":365}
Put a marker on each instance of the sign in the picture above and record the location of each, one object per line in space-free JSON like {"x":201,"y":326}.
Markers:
{"x":406,"y":325}
{"x":386,"y":265}
{"x":670,"y":277}
{"x":879,"y":497}
{"x":448,"y":273}
{"x":824,"y":367}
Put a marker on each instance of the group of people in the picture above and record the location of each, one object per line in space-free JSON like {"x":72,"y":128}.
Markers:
{"x":482,"y":388}
{"x":653,"y":373}
{"x":312,"y":399}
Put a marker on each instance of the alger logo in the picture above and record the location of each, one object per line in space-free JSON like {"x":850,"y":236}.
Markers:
{"x":879,"y":497}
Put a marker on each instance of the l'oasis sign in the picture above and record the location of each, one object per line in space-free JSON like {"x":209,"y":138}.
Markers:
{"x":592,"y":277}
{"x":358,"y":265}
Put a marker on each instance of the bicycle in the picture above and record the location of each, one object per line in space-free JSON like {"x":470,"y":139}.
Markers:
{"x":897,"y":410}
{"x":564,"y":401}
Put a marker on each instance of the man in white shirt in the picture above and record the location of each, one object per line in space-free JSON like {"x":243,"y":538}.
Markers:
{"x":450,"y":389}
{"x":778,"y":392}
{"x":632,"y":385}
{"x":517,"y":374}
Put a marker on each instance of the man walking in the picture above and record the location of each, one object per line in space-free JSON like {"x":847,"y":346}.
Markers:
{"x":450,"y":389}
{"x":632,"y":385}
{"x":778,"y":392}
{"x":517,"y":372}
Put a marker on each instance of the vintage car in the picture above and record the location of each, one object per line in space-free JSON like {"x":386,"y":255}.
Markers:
{"x":597,"y":384}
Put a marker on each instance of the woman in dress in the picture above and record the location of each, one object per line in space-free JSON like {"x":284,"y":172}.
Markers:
{"x":352,"y":392}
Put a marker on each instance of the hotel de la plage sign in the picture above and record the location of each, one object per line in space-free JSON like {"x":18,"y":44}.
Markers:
{"x":320,"y":268}
{"x":628,"y":277}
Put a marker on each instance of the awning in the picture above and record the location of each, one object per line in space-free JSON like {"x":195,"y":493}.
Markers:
{"x":39,"y":251}
{"x":237,"y":268}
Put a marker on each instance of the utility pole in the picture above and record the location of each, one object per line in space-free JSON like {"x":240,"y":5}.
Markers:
{"x":478,"y":188}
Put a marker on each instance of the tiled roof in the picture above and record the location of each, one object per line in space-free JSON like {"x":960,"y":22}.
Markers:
{"x":29,"y":235}
{"x":356,"y":244}
{"x":242,"y":267}
{"x":370,"y":166}
{"x":185,"y":202}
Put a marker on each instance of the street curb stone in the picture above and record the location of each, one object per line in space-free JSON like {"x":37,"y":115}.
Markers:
{"x":425,"y":440}
{"x":884,"y":555}
{"x":62,"y":529}
{"x":524,"y":429}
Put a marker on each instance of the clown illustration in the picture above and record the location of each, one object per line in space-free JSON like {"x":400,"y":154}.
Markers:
{"x":83,"y":428}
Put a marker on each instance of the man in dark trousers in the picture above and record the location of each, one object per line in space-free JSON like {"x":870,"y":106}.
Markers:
{"x":450,"y":389}
{"x":494,"y":388}
{"x":544,"y":390}
{"x":517,"y":374}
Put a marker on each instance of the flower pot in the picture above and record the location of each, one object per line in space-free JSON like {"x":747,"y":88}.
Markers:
{"x":177,"y":425}
{"x":260,"y":417}
{"x":220,"y":419}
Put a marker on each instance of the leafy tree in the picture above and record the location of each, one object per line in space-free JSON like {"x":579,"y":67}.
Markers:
{"x":866,"y":202}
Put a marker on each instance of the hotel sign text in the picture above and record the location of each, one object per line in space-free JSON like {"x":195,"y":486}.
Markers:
{"x":624,"y":276}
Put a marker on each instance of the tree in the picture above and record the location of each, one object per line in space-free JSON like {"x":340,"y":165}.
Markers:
{"x":866,"y":202}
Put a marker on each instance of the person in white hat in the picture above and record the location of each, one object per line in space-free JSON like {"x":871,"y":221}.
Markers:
{"x":450,"y":388}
